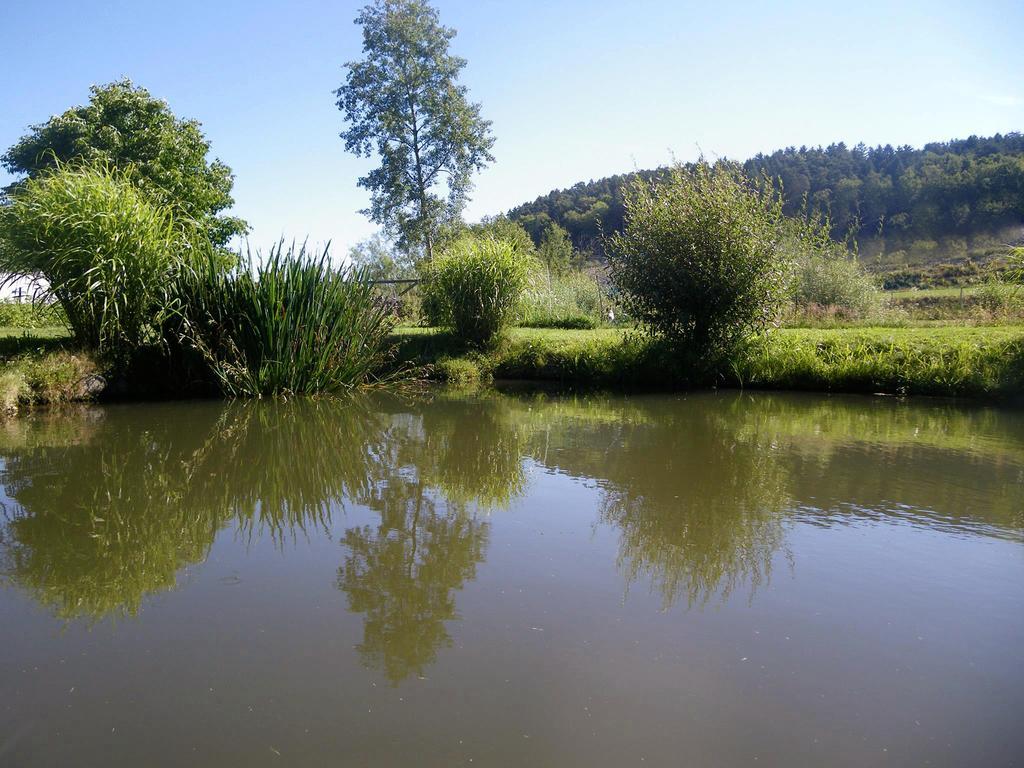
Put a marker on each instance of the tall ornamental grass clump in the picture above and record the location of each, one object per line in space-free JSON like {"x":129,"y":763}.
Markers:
{"x":474,"y":287}
{"x":568,"y":299}
{"x":1003,"y":294}
{"x":285,"y":324}
{"x":824,"y":272}
{"x":699,"y":261}
{"x":106,"y":251}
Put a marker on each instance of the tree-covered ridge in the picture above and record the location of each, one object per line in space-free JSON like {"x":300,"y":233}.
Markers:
{"x":945,"y":189}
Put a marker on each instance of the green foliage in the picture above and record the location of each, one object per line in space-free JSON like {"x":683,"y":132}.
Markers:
{"x":503,"y":228}
{"x":698,"y":262}
{"x":556,"y":249}
{"x":105,"y":248}
{"x":1015,"y":267}
{"x":1003,"y":293}
{"x":31,"y":315}
{"x":569,"y":299}
{"x":897,"y":194}
{"x":404,"y":103}
{"x":456,"y":371}
{"x":124,"y":126}
{"x":13,"y":390}
{"x":824,"y":273}
{"x":284,"y":324}
{"x":379,"y":261}
{"x":475,"y":286}
{"x":565,"y":322}
{"x":41,"y":371}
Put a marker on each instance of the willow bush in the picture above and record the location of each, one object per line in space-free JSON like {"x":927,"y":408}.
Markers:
{"x":106,"y":251}
{"x":285,"y":324}
{"x":473,"y":288}
{"x":699,"y":261}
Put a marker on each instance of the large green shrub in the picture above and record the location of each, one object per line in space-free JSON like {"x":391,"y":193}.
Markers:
{"x":287,"y":323}
{"x":699,"y":261}
{"x":474,"y":286}
{"x":105,"y":249}
{"x":833,"y":282}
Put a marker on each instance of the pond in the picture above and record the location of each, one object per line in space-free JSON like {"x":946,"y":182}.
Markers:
{"x":505,"y":579}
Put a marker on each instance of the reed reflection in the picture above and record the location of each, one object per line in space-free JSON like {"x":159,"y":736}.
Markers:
{"x":101,"y":517}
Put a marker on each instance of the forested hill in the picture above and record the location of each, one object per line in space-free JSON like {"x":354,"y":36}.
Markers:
{"x":953,"y":189}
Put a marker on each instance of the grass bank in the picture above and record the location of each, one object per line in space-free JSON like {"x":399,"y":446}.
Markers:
{"x":983,"y":362}
{"x":40,"y":367}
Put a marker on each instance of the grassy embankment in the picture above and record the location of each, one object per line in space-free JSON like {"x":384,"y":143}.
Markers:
{"x":953,"y":361}
{"x":39,"y":366}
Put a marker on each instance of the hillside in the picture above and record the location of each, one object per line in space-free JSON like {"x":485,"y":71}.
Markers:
{"x":954,"y":203}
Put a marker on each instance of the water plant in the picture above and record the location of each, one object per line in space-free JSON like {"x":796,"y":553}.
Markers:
{"x":287,"y":323}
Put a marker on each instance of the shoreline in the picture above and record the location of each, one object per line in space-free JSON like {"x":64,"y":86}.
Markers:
{"x":979,"y":363}
{"x":969,"y":363}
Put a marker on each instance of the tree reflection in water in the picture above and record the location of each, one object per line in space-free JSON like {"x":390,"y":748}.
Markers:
{"x":403,"y":574}
{"x":441,"y":470}
{"x":109,"y":510}
{"x":697,"y":497}
{"x":103,"y":517}
{"x":702,"y":519}
{"x":108,"y":506}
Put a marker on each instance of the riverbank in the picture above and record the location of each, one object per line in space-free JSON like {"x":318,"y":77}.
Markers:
{"x":984,"y":362}
{"x":39,"y":366}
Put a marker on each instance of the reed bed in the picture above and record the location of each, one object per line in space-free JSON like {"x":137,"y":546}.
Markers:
{"x":285,"y":324}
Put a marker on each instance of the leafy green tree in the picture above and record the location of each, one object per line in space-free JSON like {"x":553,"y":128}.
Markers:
{"x":380,"y":260}
{"x":556,"y":249}
{"x":403,"y":101}
{"x":123,"y":125}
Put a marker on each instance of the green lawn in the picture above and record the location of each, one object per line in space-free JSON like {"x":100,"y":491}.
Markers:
{"x":40,"y":333}
{"x":971,"y":361}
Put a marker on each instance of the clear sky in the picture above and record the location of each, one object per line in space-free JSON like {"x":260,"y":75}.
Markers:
{"x":577,"y":89}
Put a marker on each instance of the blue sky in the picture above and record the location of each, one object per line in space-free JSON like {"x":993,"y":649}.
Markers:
{"x":576,"y":90}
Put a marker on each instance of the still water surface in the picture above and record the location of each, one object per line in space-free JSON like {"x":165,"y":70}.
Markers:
{"x":508,"y":580}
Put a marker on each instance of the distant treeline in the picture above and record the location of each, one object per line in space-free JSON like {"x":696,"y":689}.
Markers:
{"x":952,"y":189}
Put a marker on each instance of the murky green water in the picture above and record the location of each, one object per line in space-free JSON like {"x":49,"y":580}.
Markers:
{"x":514,"y":581}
